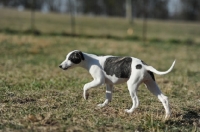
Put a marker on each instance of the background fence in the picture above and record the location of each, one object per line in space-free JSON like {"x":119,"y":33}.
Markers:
{"x":71,"y":17}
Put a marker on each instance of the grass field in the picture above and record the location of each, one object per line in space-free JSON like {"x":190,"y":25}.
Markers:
{"x":35,"y":95}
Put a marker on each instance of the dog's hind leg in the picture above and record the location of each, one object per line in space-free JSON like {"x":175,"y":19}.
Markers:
{"x":153,"y":87}
{"x":109,"y":90}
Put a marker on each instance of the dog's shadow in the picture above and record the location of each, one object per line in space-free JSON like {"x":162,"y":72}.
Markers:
{"x":190,"y":118}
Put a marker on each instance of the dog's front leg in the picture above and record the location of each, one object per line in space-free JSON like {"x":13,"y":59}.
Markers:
{"x":109,"y":89}
{"x":99,"y":79}
{"x":94,"y":83}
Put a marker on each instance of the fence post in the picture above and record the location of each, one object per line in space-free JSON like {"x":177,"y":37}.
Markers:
{"x":129,"y":11}
{"x":144,"y":27}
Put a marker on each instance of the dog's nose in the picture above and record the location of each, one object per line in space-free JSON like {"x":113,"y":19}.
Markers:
{"x":60,"y":66}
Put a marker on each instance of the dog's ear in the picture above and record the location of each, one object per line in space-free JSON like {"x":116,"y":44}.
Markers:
{"x":76,"y":57}
{"x":81,"y":54}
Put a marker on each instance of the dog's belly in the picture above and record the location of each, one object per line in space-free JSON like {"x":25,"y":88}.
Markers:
{"x":114,"y":80}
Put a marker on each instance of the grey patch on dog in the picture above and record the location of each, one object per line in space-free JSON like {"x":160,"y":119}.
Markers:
{"x":76,"y":57}
{"x":138,"y":66}
{"x":144,"y":63}
{"x":118,"y":66}
{"x":152,"y":75}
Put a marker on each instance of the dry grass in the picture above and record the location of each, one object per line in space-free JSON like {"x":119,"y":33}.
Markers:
{"x":35,"y":95}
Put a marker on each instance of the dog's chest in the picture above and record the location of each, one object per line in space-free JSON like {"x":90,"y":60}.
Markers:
{"x":119,"y":67}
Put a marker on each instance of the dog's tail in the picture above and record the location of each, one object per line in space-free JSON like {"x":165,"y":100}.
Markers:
{"x":150,"y":68}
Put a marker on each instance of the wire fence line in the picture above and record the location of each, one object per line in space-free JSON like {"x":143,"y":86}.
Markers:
{"x":72,"y":25}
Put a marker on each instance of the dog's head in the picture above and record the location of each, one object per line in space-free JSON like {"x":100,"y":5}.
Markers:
{"x":72,"y":59}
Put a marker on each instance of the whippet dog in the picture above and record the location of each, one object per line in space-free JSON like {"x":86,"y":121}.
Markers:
{"x":112,"y":70}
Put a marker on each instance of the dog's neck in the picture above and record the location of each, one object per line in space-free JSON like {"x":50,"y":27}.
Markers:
{"x":89,"y":60}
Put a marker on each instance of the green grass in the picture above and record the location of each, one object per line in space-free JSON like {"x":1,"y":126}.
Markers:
{"x":35,"y":95}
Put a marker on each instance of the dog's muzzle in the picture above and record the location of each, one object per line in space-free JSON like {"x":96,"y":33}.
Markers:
{"x":64,"y":68}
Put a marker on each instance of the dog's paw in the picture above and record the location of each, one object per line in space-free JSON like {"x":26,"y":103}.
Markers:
{"x":100,"y":105}
{"x":128,"y":111}
{"x":167,"y":116}
{"x":85,"y":95}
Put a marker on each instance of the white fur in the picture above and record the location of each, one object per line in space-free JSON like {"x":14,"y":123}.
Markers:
{"x":95,"y":65}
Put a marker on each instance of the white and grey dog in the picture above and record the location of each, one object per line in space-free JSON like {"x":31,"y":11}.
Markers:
{"x":112,"y":70}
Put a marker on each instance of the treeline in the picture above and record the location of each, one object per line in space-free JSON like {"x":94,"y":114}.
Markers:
{"x":188,"y":9}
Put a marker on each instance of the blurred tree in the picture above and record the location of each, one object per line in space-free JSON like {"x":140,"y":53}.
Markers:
{"x":54,"y":5}
{"x":115,"y":7}
{"x":104,"y":7}
{"x":191,"y":9}
{"x":5,"y":2}
{"x":155,"y":8}
{"x":158,"y":9}
{"x":145,"y":15}
{"x":33,"y":15}
{"x":72,"y":13}
{"x":92,"y":6}
{"x":26,"y":3}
